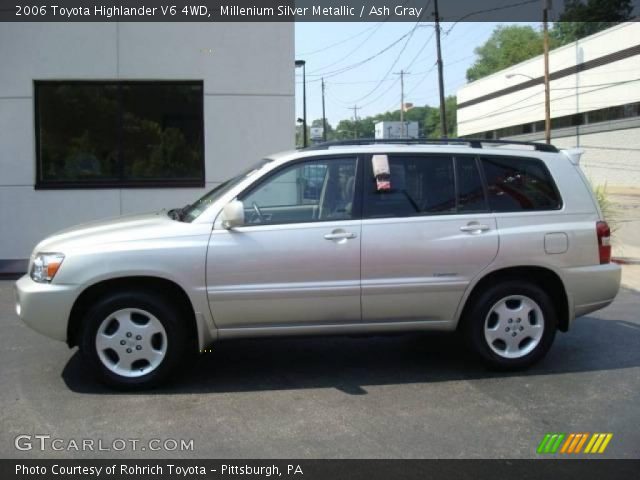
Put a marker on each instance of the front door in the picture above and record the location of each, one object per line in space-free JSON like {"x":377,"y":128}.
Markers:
{"x":425,"y":238}
{"x":296,"y":261}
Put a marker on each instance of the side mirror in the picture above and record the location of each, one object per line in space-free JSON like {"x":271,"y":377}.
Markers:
{"x":233,"y":215}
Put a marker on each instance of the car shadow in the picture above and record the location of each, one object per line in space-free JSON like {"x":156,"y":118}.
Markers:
{"x":350,"y":364}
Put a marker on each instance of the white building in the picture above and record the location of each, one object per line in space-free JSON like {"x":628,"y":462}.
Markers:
{"x":595,"y":103}
{"x":392,"y":129}
{"x":106,"y":119}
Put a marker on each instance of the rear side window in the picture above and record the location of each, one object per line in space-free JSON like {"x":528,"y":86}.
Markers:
{"x":519,"y":184}
{"x":419,"y":186}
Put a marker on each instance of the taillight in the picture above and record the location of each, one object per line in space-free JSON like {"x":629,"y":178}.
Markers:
{"x":604,"y":241}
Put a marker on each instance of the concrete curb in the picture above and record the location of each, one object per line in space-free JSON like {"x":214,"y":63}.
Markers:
{"x":626,"y":261}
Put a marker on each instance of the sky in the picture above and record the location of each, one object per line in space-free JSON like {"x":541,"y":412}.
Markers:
{"x":328,"y":48}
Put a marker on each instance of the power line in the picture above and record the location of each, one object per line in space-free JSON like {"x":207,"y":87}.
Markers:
{"x":306,"y":54}
{"x":340,"y":42}
{"x":424,"y":77}
{"x":421,"y":49}
{"x":386,"y":75}
{"x":366,"y":60}
{"x":330,"y":95}
{"x":370,"y":102}
{"x":388,"y":72}
{"x":336,"y":101}
{"x":488,"y":10}
{"x":351,"y":52}
{"x":355,"y":82}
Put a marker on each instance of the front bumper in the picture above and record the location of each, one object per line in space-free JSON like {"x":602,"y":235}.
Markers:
{"x":45,"y":307}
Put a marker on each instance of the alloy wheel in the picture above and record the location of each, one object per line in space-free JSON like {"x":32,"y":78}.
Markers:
{"x":514,"y":326}
{"x":131,"y":342}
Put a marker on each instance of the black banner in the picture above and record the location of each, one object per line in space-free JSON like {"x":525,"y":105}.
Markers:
{"x":292,"y":10}
{"x":320,"y":469}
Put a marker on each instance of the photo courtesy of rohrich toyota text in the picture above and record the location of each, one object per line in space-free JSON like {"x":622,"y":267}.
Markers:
{"x":319,"y":239}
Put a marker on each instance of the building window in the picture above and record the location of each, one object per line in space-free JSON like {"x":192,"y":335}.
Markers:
{"x":119,"y":134}
{"x":629,"y":110}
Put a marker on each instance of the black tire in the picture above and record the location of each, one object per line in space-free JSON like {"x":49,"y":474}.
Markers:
{"x":172,"y":319}
{"x":473,"y":326}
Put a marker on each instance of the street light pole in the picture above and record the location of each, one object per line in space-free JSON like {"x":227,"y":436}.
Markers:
{"x":547,"y":102}
{"x":302,"y":63}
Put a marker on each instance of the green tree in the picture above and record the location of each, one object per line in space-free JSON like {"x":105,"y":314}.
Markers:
{"x":583,"y":18}
{"x":362,"y":128}
{"x":512,"y":44}
{"x":318,"y":123}
{"x":507,"y":46}
{"x":432,"y":123}
{"x":427,"y":116}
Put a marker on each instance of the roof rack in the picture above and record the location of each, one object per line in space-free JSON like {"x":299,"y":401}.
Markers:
{"x":472,"y":142}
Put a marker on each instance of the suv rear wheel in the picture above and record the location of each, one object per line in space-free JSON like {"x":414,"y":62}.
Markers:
{"x":133,"y":340}
{"x":511,"y":325}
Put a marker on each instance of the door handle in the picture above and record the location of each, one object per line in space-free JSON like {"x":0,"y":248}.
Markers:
{"x":474,"y":228}
{"x":339,"y":235}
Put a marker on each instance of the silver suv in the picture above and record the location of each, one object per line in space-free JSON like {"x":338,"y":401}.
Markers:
{"x":502,"y":242}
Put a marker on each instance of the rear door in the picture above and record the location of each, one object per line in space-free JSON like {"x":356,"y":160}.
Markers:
{"x":425,"y":239}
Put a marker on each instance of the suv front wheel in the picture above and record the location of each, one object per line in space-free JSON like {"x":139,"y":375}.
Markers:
{"x":511,"y":325}
{"x":133,"y":340}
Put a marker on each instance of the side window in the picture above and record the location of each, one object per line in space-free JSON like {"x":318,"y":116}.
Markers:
{"x":420,"y":185}
{"x":516,"y":184}
{"x":471,"y":198}
{"x":312,"y":191}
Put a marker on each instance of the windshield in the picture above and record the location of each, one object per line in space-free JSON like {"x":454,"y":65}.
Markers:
{"x":193,"y":211}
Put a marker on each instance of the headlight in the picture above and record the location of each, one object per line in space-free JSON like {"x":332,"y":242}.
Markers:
{"x":45,"y":266}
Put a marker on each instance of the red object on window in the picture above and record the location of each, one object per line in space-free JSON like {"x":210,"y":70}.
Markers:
{"x":604,"y":241}
{"x":383,"y":185}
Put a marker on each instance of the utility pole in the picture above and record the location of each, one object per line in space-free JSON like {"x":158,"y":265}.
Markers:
{"x":443,"y":113}
{"x":355,"y":120}
{"x":402,"y":73}
{"x":547,"y":96}
{"x":324,"y":118}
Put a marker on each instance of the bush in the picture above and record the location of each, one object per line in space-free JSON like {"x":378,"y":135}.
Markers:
{"x":606,"y":206}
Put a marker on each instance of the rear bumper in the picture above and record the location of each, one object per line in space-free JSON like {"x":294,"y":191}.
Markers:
{"x":592,"y":288}
{"x":45,"y":307}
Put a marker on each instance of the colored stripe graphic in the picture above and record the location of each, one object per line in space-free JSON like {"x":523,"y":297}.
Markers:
{"x":573,"y":443}
{"x":581,"y":442}
{"x":565,"y":447}
{"x":550,"y":443}
{"x":543,"y":443}
{"x":598,"y":443}
{"x":606,"y":442}
{"x":557,"y":443}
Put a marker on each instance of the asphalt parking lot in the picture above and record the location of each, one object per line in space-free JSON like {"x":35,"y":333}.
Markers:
{"x":409,"y":396}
